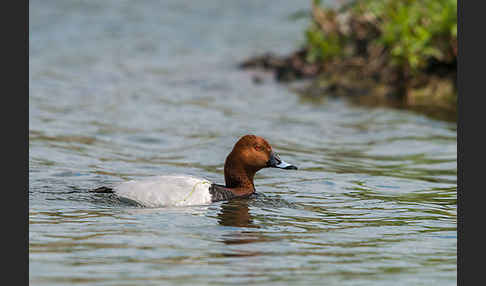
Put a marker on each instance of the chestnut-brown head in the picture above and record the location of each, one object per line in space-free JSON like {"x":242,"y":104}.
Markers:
{"x":249,"y":155}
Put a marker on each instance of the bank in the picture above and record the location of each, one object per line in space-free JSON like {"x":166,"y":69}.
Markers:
{"x":399,"y":53}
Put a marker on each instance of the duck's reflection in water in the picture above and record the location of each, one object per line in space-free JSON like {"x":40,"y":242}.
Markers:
{"x":236,"y":214}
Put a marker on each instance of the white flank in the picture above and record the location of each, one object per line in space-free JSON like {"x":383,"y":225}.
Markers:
{"x":168,"y":190}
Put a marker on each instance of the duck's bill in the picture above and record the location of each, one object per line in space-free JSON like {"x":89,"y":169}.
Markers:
{"x":276,"y":162}
{"x":286,"y":166}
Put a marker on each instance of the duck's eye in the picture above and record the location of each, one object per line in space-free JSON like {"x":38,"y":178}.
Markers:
{"x":258,"y":147}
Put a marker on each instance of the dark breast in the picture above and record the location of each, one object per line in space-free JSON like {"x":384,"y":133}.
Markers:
{"x":220,"y":193}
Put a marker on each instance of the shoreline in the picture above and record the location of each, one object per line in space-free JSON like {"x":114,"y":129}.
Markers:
{"x":348,"y":58}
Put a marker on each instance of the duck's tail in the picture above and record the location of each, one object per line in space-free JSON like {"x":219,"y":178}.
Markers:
{"x":102,"y":190}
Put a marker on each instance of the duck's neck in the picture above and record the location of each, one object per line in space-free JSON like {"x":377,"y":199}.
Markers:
{"x":237,"y":178}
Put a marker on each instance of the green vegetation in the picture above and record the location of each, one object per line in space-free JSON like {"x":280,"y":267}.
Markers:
{"x":415,"y":31}
{"x":405,"y":44}
{"x":400,"y":52}
{"x":412,"y":31}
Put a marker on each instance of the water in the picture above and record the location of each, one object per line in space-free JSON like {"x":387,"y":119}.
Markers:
{"x":121,"y":91}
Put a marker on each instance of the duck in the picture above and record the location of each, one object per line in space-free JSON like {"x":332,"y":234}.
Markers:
{"x":249,"y":155}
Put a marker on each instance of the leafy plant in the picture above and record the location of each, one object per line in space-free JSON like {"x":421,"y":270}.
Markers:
{"x":415,"y":31}
{"x":412,"y":31}
{"x":322,"y":46}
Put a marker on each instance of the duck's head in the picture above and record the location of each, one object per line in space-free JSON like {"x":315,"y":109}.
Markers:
{"x":249,"y":155}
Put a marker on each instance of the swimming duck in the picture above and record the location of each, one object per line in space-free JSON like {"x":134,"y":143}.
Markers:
{"x":249,"y":155}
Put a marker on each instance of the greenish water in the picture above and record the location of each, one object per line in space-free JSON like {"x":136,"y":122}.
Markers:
{"x":121,"y":91}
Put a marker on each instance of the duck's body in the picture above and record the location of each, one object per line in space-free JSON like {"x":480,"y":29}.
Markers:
{"x":168,"y":190}
{"x":171,"y":190}
{"x":250,"y":154}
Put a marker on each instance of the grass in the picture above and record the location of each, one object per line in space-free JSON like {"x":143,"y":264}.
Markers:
{"x":405,"y":44}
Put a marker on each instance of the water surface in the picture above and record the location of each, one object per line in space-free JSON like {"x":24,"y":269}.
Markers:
{"x":122,"y":90}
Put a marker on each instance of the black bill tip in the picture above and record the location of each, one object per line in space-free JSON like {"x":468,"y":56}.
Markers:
{"x":291,"y":167}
